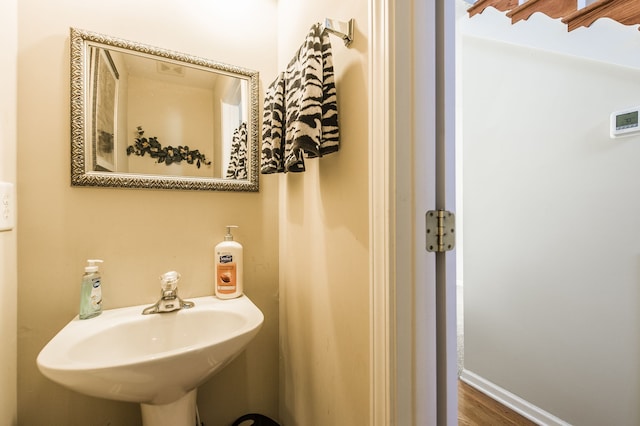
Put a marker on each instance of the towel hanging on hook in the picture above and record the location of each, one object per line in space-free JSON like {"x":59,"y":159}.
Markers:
{"x":344,"y":30}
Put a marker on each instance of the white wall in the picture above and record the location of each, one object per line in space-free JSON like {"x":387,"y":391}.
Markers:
{"x":324,"y":242}
{"x":8,"y":258}
{"x":139,"y":233}
{"x":551,"y":230}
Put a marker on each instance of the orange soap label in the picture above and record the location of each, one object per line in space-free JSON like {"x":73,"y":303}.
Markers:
{"x":226,"y":278}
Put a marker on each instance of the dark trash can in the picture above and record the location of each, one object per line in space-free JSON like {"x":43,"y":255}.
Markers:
{"x":254,"y":419}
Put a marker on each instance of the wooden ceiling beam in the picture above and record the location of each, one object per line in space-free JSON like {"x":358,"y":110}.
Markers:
{"x":551,"y":8}
{"x":501,"y":5}
{"x":626,"y":12}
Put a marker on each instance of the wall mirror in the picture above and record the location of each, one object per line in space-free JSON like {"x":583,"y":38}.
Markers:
{"x":146,"y":117}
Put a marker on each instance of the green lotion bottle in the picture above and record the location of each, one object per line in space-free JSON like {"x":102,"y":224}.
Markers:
{"x":91,"y":291}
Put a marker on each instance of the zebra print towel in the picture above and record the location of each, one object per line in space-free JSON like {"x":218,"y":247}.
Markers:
{"x":238,"y":162}
{"x":272,"y":128}
{"x":305,"y":97}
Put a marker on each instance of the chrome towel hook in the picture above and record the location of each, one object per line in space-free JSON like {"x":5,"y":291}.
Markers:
{"x":344,"y":30}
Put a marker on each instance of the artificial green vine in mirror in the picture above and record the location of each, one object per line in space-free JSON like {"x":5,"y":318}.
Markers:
{"x":167,"y":155}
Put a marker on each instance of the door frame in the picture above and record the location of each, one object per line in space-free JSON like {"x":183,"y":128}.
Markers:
{"x":407,"y":39}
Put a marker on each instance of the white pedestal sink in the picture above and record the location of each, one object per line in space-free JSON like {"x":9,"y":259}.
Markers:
{"x":156,"y":360}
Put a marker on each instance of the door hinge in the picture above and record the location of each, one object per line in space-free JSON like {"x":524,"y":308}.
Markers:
{"x":440,"y":233}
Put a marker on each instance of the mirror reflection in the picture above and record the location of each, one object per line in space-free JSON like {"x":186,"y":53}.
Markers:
{"x":160,"y":119}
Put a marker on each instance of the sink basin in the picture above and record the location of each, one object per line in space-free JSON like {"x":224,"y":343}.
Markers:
{"x":156,"y":360}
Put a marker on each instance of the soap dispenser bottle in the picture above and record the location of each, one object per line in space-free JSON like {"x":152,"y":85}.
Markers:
{"x":228,"y":267}
{"x":91,"y":291}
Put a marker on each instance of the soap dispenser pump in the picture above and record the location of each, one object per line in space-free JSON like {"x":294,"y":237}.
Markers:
{"x":91,"y":291}
{"x":228,"y":267}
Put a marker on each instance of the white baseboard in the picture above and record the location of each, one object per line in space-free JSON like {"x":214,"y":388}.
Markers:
{"x":514,"y":402}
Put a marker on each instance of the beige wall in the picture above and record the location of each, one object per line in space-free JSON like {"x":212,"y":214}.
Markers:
{"x":324,"y":282}
{"x":139,"y":233}
{"x":8,"y":259}
{"x":188,"y":123}
{"x":322,"y":216}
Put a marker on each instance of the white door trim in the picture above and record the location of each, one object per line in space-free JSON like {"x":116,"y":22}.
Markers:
{"x":402,"y":176}
{"x":382,"y":323}
{"x":402,"y":189}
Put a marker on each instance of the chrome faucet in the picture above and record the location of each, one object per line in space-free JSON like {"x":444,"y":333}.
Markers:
{"x":169,"y":299}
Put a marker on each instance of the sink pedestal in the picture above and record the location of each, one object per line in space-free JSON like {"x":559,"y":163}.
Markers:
{"x":178,"y":413}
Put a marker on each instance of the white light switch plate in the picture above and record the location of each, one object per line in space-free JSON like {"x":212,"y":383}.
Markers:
{"x":7,"y":206}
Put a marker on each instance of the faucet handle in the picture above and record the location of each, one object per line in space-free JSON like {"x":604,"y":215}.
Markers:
{"x":169,"y":301}
{"x":169,"y":281}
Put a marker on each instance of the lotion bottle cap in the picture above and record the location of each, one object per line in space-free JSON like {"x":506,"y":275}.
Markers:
{"x":92,"y":267}
{"x":229,"y":237}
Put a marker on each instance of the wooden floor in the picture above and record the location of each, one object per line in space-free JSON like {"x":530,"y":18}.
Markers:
{"x":477,"y":409}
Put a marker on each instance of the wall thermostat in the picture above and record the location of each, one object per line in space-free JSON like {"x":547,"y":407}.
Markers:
{"x":626,"y":122}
